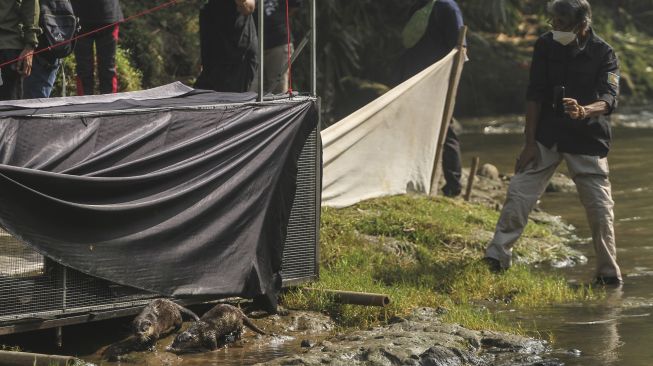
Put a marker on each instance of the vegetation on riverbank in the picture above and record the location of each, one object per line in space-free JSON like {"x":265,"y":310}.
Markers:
{"x":424,"y":251}
{"x":359,"y":45}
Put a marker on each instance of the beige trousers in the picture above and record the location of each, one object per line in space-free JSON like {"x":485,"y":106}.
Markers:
{"x":276,"y":76}
{"x":590,"y":173}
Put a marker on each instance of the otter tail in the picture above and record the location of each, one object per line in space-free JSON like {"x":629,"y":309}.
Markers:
{"x":252,"y":326}
{"x":188,"y":312}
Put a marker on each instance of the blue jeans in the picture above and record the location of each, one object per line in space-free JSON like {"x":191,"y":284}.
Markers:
{"x":40,"y":82}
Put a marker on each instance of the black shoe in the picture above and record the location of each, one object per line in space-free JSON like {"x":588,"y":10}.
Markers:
{"x":493,"y":264}
{"x":451,"y":192}
{"x":609,"y":281}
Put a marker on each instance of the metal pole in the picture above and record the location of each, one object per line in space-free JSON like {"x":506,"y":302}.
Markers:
{"x":65,"y":288}
{"x":313,"y":15}
{"x":63,"y":77}
{"x":261,"y":49}
{"x":261,"y":59}
{"x":59,"y":336}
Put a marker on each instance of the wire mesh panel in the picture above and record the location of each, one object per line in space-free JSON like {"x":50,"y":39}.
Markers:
{"x":32,"y":286}
{"x":27,"y":285}
{"x":301,"y":246}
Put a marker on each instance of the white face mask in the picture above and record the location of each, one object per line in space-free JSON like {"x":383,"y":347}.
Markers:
{"x":564,"y":38}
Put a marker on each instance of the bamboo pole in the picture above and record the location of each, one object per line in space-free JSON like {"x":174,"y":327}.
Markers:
{"x":354,"y":298}
{"x":11,"y":358}
{"x":470,"y":179}
{"x":450,"y":103}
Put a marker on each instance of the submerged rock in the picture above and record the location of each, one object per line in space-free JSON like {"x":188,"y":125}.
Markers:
{"x":489,"y":171}
{"x":423,"y":340}
{"x":560,"y":183}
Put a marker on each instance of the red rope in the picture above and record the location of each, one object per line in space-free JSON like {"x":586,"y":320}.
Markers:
{"x":144,"y":12}
{"x":289,"y":54}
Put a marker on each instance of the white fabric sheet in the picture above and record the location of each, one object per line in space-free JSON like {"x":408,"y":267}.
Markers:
{"x":388,"y":146}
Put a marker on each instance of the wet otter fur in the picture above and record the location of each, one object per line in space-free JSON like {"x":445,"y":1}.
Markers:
{"x":158,"y":319}
{"x":212,"y":330}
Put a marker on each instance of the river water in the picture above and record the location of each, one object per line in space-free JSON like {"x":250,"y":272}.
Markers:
{"x":617,"y":330}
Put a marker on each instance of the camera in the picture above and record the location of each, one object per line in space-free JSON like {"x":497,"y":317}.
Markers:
{"x":558,"y":105}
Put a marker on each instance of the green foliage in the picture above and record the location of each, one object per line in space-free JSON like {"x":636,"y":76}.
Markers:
{"x":129,"y":78}
{"x":163,"y":45}
{"x":360,"y":40}
{"x":423,"y":252}
{"x":492,"y":15}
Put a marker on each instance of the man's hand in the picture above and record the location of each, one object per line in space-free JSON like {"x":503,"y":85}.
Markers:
{"x":528,"y":154}
{"x":245,"y":7}
{"x":24,"y":64}
{"x":573,"y":109}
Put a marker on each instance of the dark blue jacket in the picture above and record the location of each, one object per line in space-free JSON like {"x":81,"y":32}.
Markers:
{"x":440,"y":38}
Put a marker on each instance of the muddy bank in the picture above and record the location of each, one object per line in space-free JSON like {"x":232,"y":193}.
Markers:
{"x":422,"y":339}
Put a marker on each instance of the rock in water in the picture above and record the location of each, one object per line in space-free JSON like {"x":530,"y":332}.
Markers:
{"x":489,"y":171}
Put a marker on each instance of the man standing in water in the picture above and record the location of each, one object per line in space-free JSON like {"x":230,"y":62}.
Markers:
{"x":574,"y":84}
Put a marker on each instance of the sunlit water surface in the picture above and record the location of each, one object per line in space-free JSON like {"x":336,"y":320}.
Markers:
{"x":617,"y":330}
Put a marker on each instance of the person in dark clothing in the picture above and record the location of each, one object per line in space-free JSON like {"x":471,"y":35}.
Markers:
{"x":93,"y":15}
{"x":573,"y":127}
{"x":229,"y":46}
{"x":439,"y":37}
{"x":19,"y":33}
{"x":58,"y":23}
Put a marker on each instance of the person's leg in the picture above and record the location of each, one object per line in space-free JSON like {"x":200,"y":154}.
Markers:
{"x":451,"y":164}
{"x":590,"y":173}
{"x":106,"y":44}
{"x":41,"y":81}
{"x":276,"y":69}
{"x":12,"y":82}
{"x":525,"y":189}
{"x":85,"y":59}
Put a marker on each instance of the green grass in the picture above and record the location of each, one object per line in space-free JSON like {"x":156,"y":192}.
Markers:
{"x":424,"y":251}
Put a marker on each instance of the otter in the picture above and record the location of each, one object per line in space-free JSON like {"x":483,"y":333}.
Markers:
{"x":159,"y":318}
{"x":216,"y":327}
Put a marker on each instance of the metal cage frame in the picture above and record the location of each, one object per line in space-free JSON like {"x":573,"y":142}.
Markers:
{"x":37,"y":293}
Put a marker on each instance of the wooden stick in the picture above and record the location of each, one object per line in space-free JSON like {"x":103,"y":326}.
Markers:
{"x":450,"y":103}
{"x":470,"y":179}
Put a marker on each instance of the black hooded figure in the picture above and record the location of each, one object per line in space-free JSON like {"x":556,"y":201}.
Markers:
{"x":229,"y":50}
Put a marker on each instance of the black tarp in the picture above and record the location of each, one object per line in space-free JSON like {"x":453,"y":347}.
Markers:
{"x":183,"y":196}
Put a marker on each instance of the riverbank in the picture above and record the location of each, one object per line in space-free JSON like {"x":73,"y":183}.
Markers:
{"x":423,"y":252}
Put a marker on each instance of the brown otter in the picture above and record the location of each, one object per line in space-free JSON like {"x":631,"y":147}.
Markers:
{"x":213,"y":329}
{"x":159,"y":318}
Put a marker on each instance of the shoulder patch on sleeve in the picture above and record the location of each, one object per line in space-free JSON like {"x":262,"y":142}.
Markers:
{"x":613,"y":79}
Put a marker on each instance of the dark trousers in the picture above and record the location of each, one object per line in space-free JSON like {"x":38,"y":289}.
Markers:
{"x":105,"y":43}
{"x":451,"y":164}
{"x":12,"y":81}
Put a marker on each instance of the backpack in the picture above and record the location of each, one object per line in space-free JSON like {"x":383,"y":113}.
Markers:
{"x":416,"y":25}
{"x":59,"y":23}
